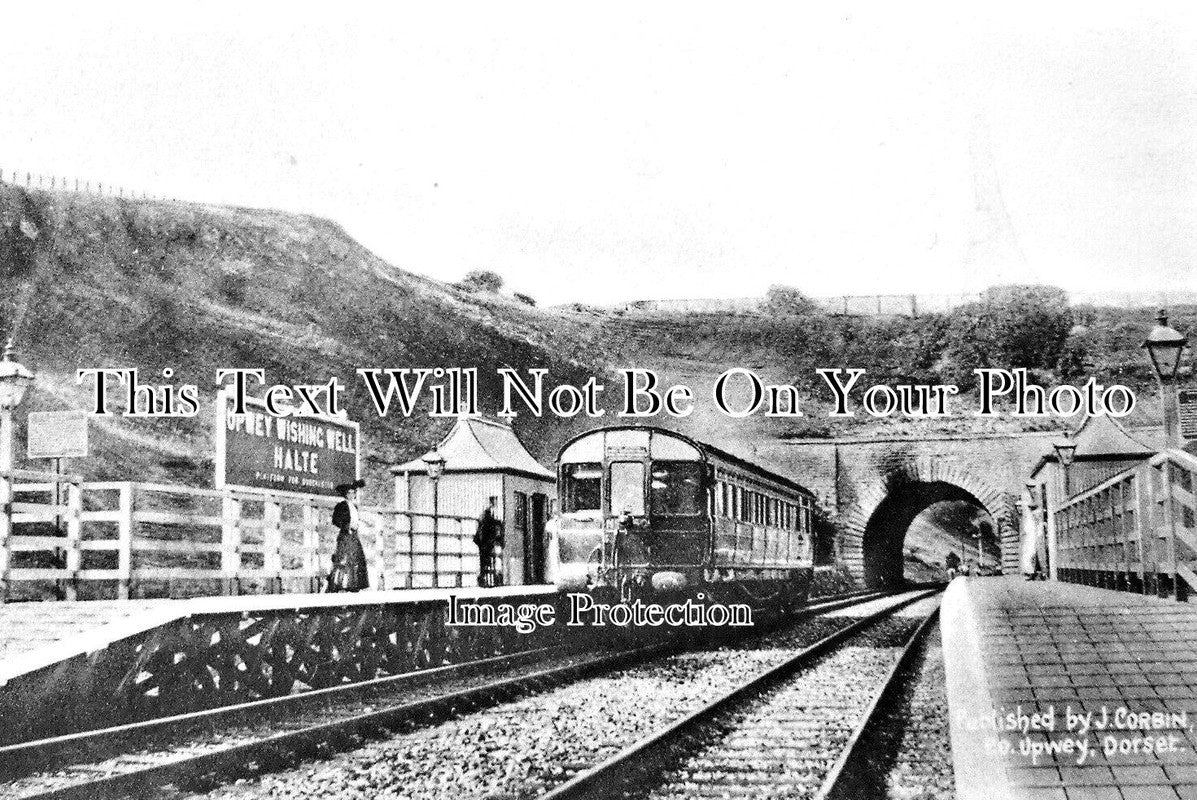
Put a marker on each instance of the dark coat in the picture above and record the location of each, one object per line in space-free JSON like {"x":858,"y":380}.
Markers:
{"x":490,"y":531}
{"x":349,"y":572}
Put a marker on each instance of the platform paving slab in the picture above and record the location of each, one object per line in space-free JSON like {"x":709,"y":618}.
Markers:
{"x":1068,"y":692}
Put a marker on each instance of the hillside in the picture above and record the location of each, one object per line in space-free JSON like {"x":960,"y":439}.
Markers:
{"x":106,"y":282}
{"x":695,"y":349}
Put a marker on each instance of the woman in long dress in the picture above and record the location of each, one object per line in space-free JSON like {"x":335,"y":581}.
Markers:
{"x":349,"y":572}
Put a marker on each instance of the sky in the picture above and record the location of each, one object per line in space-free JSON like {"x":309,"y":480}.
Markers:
{"x":614,"y":152}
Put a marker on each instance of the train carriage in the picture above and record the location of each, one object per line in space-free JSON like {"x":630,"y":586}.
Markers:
{"x":645,"y":511}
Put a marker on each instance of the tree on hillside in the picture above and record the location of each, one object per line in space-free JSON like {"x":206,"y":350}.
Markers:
{"x":788,"y":301}
{"x":1011,"y":326}
{"x":481,"y":280}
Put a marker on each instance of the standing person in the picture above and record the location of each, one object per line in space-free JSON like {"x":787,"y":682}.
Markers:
{"x":489,"y":538}
{"x":349,"y":559}
{"x":952,"y":564}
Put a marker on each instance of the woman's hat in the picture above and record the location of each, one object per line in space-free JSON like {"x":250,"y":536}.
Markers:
{"x":342,"y":488}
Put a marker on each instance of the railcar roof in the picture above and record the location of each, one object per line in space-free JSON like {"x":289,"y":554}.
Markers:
{"x":708,"y":450}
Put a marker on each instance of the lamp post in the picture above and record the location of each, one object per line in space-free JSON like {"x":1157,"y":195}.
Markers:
{"x":15,"y":379}
{"x":1037,"y":505}
{"x":434,"y":464}
{"x":1066,"y":452}
{"x":1164,"y":345}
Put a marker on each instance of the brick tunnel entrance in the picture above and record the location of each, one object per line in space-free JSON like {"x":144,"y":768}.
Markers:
{"x":885,"y":548}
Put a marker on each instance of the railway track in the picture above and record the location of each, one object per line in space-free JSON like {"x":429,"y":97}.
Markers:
{"x":204,"y":749}
{"x":794,"y":730}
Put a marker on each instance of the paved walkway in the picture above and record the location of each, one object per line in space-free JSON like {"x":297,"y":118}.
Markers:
{"x":25,"y":627}
{"x":1068,"y":692}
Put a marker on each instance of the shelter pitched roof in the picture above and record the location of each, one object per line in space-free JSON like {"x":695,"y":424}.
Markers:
{"x":478,"y":445}
{"x":1103,"y":437}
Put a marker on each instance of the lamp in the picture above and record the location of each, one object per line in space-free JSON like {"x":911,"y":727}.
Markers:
{"x":434,"y":464}
{"x":15,"y":380}
{"x":1164,"y":345}
{"x":1066,"y":452}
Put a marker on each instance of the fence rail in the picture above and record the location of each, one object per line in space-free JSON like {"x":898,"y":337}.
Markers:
{"x":58,"y":183}
{"x":1136,"y":531}
{"x":122,"y":538}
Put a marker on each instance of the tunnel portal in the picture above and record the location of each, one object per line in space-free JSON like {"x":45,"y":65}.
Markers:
{"x":884,"y":544}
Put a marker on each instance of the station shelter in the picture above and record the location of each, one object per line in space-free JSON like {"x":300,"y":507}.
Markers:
{"x":484,"y":459}
{"x":1104,"y":448}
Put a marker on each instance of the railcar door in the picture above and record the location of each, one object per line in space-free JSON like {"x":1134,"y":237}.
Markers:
{"x":679,"y":511}
{"x":536,"y":558}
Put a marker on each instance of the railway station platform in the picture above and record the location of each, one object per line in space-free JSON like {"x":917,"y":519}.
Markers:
{"x":34,"y":631}
{"x":72,"y":666}
{"x":1064,"y":692}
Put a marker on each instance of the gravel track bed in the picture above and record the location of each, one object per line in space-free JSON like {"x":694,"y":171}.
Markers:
{"x":208,"y":737}
{"x":524,"y":748}
{"x":909,"y":750}
{"x":783,"y":743}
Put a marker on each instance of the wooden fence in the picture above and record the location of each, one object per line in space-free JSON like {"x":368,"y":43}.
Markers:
{"x":1136,"y":531}
{"x":76,"y":539}
{"x":60,"y":183}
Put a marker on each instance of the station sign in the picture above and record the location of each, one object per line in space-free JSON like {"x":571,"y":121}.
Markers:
{"x":57,"y":434}
{"x":1186,"y":399}
{"x":306,"y":454}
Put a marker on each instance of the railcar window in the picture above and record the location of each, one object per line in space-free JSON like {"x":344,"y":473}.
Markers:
{"x":677,"y":488}
{"x":583,"y":484}
{"x":627,"y":488}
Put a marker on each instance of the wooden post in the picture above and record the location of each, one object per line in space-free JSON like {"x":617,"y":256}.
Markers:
{"x":124,"y":539}
{"x":56,"y":496}
{"x":272,"y":542}
{"x":74,"y":538}
{"x":311,"y":547}
{"x":1170,"y":527}
{"x":411,"y":548}
{"x":379,"y":548}
{"x":5,"y":532}
{"x":1145,"y":524}
{"x":461,"y":553}
{"x":230,"y":542}
{"x":1135,"y":506}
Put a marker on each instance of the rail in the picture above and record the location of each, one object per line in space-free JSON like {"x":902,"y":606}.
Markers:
{"x":125,"y":539}
{"x":1136,"y":531}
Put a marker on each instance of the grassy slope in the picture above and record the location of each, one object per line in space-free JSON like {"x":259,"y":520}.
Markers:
{"x":118,"y":283}
{"x":115,"y":283}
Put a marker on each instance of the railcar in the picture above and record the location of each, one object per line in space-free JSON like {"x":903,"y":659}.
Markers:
{"x":649,"y":512}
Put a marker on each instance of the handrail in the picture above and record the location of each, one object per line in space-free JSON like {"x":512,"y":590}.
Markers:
{"x":1173,"y":455}
{"x":290,"y":540}
{"x":1135,"y":531}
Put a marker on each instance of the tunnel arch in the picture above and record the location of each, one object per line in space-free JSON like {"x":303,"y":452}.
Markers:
{"x":884,"y":539}
{"x":874,"y":528}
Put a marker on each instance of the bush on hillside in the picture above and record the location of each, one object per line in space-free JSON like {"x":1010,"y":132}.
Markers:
{"x":1011,"y":327}
{"x":481,"y":280}
{"x":788,"y":301}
